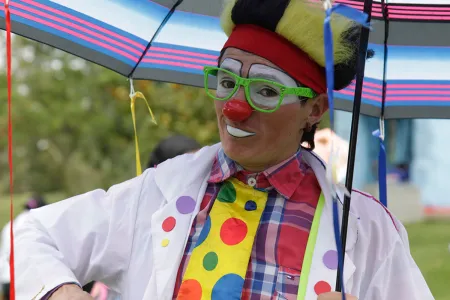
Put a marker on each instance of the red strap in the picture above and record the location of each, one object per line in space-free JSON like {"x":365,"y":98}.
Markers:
{"x":12,"y":293}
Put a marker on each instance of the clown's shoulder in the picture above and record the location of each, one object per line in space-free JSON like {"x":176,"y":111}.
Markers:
{"x":371,"y":214}
{"x":372,"y":208}
{"x":377,"y":218}
{"x":381,"y":247}
{"x":369,"y":208}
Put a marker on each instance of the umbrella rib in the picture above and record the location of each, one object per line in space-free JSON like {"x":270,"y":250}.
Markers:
{"x":166,"y":18}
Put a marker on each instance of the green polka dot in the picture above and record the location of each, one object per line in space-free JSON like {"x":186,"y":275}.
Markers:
{"x":210,"y":261}
{"x":227,"y":193}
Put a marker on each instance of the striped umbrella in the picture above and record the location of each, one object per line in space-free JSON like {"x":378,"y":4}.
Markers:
{"x":171,"y":40}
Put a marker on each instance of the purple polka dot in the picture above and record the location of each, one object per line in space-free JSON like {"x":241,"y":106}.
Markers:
{"x":330,"y":259}
{"x":185,"y":205}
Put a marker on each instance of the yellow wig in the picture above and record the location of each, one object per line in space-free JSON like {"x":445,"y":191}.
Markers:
{"x":302,"y":24}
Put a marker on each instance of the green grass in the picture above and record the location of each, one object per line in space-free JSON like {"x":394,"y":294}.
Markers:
{"x":429,"y":242}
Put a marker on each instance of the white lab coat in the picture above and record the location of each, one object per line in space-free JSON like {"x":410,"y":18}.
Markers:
{"x":115,"y":237}
{"x":5,"y":248}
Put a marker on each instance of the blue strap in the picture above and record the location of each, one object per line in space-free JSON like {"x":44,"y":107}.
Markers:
{"x":360,"y":18}
{"x":382,"y":180}
{"x":337,"y":237}
{"x":353,"y":14}
{"x":329,"y":64}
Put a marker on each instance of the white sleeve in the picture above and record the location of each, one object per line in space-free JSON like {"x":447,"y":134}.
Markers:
{"x":4,"y":254}
{"x":398,"y":277}
{"x":84,"y":238}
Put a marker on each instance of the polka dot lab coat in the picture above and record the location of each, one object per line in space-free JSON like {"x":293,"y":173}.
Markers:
{"x":117,"y":237}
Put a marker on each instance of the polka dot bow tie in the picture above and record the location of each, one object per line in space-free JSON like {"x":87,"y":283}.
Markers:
{"x":219,"y":261}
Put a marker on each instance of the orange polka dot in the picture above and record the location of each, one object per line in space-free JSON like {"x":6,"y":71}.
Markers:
{"x":190,"y":290}
{"x":322,"y":287}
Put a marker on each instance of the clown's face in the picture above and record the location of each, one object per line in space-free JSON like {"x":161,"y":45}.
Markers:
{"x":261,"y":140}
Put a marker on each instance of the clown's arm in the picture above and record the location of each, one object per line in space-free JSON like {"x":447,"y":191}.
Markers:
{"x":84,"y":238}
{"x":398,"y":276}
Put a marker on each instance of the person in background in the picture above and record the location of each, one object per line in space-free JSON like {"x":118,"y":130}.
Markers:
{"x":323,"y":139}
{"x":171,"y":147}
{"x":35,"y":201}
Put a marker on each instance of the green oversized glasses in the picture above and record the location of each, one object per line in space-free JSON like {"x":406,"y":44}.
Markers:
{"x":262,"y":94}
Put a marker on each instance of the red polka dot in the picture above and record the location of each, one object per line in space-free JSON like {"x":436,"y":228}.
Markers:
{"x":322,"y":287}
{"x":169,"y":224}
{"x":233,"y":231}
{"x":190,"y":290}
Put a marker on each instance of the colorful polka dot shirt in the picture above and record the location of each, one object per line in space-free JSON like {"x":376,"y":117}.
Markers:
{"x":277,"y":254}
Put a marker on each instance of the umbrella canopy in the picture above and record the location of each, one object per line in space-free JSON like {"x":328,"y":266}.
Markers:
{"x":165,"y":40}
{"x":171,"y":40}
{"x":417,"y":60}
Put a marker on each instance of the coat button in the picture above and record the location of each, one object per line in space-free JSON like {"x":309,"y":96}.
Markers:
{"x":251,"y":181}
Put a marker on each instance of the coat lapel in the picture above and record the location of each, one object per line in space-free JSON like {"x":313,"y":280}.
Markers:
{"x":323,"y":270}
{"x":183,"y":182}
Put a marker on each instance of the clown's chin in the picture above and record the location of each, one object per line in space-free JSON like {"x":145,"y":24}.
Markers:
{"x":238,"y":133}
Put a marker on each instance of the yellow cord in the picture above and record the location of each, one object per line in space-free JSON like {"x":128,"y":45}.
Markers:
{"x":133,"y":97}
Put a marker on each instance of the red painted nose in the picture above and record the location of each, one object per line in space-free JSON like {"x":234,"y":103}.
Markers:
{"x":237,"y":111}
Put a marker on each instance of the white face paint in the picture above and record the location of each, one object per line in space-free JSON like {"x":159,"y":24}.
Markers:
{"x":226,"y":83}
{"x":265,"y":95}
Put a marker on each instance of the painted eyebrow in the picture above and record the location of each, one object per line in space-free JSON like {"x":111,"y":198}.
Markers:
{"x":273,"y":77}
{"x":229,"y":68}
{"x":266,"y":76}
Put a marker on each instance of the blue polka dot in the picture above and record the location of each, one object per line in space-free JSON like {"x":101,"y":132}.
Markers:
{"x":228,"y":287}
{"x":250,"y":205}
{"x":205,"y":232}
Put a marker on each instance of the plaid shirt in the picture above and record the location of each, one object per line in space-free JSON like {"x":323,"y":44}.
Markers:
{"x":280,"y":243}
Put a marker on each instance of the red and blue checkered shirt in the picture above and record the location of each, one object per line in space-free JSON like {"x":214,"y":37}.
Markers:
{"x":280,"y":243}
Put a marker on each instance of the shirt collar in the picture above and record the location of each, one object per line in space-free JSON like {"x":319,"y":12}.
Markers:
{"x":285,"y":177}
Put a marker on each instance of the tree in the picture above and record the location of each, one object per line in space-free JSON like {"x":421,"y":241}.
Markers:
{"x":72,"y":123}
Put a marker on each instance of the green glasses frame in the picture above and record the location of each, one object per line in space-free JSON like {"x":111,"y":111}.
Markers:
{"x":245,"y":82}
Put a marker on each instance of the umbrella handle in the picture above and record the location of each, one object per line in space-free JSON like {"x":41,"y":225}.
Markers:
{"x":363,"y":19}
{"x":363,"y":43}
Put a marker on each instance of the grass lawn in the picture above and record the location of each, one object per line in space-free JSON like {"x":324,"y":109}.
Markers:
{"x":429,"y":242}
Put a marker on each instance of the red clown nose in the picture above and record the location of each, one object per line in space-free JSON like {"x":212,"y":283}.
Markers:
{"x":237,"y":110}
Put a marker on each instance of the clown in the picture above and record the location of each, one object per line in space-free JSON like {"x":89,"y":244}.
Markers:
{"x":249,"y":218}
